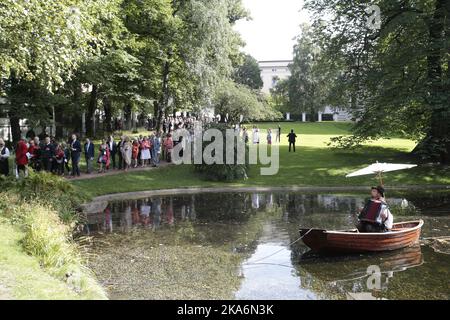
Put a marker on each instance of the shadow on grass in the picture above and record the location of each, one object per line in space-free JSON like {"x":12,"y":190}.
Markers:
{"x":307,"y":167}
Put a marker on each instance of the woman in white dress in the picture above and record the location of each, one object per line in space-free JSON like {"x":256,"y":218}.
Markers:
{"x":255,"y":135}
{"x":126,"y":153}
{"x":145,"y":152}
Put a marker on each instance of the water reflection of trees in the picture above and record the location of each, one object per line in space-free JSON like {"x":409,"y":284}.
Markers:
{"x":231,"y":208}
{"x":235,"y":221}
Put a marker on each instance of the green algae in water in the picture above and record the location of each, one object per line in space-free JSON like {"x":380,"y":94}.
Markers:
{"x":202,"y":246}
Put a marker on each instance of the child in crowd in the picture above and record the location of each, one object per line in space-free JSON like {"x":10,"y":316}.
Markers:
{"x":59,"y":157}
{"x":135,"y":153}
{"x":168,"y":146}
{"x":103,"y":158}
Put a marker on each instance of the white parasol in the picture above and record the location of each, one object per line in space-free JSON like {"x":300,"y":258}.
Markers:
{"x":379,"y":168}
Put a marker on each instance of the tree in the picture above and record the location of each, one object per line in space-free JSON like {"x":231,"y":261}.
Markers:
{"x":279,"y":96}
{"x":307,"y":89}
{"x":396,"y":78}
{"x":236,"y":100}
{"x":46,"y":40}
{"x":43,"y":43}
{"x":198,"y":53}
{"x":249,"y":73}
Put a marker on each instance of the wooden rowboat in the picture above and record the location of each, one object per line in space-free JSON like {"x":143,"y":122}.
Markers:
{"x":403,"y":234}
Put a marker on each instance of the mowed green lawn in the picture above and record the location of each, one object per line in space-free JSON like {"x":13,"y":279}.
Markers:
{"x":314,"y":164}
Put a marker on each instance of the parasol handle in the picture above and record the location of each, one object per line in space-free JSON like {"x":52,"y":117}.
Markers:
{"x":380,"y":176}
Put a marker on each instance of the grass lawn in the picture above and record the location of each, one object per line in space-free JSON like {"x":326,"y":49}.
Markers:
{"x":314,"y":164}
{"x":21,"y":276}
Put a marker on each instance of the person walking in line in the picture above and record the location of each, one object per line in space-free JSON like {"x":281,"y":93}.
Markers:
{"x":103,"y":157}
{"x":145,"y":152}
{"x":245,"y":135}
{"x":119,"y":147}
{"x":168,"y":146}
{"x":112,"y":145}
{"x":4,"y":158}
{"x":292,"y":137}
{"x":89,"y":153}
{"x":47,"y":155}
{"x":135,"y":154}
{"x":255,"y":135}
{"x":156,"y":149}
{"x":127,"y":150}
{"x":59,"y":158}
{"x":269,"y":136}
{"x":278,"y":134}
{"x":66,"y":157}
{"x":75,"y":154}
{"x":22,"y":157}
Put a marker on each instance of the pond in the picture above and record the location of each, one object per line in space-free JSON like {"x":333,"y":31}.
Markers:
{"x":243,"y":246}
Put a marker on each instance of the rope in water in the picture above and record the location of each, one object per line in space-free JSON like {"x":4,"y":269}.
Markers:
{"x":276,"y":252}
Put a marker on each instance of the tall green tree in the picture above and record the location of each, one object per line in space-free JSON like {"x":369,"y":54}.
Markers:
{"x":44,"y":42}
{"x":196,"y":49}
{"x":249,"y":73}
{"x":237,"y":100}
{"x":396,"y":77}
{"x":308,"y":88}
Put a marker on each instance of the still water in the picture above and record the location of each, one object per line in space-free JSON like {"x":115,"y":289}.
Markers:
{"x":259,"y":232}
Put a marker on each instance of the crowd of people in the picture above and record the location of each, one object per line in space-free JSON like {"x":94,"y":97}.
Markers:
{"x":56,"y":157}
{"x":256,"y":135}
{"x":45,"y":153}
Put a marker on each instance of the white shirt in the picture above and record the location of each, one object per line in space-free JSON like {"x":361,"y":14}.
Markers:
{"x":387,"y":216}
{"x":389,"y":220}
{"x":255,"y":136}
{"x":6,"y":155}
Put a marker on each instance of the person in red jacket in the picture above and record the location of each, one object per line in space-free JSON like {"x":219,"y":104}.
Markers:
{"x":22,"y":158}
{"x":33,"y":150}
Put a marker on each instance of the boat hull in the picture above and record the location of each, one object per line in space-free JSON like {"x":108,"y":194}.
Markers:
{"x":404,"y":234}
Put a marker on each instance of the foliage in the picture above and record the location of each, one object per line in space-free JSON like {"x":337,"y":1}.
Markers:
{"x":223,"y":172}
{"x":394,"y":79}
{"x":48,"y":239}
{"x":249,"y":73}
{"x":146,"y":57}
{"x":46,"y":40}
{"x":237,"y":100}
{"x":308,"y":88}
{"x":50,"y":190}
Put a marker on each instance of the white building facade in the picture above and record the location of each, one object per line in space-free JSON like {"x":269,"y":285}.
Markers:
{"x":272,"y":72}
{"x":276,"y":70}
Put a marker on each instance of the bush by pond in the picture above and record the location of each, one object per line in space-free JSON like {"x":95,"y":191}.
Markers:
{"x":42,"y":209}
{"x":223,"y":172}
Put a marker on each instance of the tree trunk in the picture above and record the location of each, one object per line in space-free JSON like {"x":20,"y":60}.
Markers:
{"x":164,"y":100}
{"x":59,"y":124}
{"x":92,"y":106}
{"x":127,"y":116}
{"x":437,"y":141}
{"x":108,"y":114}
{"x":15,"y":128}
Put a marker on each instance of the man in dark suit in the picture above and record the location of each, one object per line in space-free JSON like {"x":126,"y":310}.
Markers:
{"x":75,"y":154}
{"x":119,"y":147}
{"x":89,"y":153}
{"x":47,"y":154}
{"x":113,"y":151}
{"x":292,"y":137}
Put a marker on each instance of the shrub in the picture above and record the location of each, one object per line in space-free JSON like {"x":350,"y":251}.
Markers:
{"x":49,"y":239}
{"x":54,"y":191}
{"x":223,"y":172}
